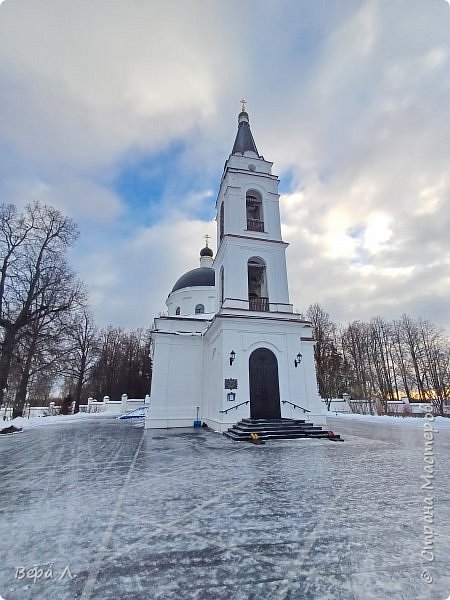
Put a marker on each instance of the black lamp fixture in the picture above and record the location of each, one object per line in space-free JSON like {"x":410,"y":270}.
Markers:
{"x":298,"y":360}
{"x":232,"y":357}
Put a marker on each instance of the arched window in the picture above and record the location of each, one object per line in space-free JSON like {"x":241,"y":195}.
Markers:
{"x":253,"y":203}
{"x":221,"y":221}
{"x":177,"y":312}
{"x":199,"y":309}
{"x":258,"y":298}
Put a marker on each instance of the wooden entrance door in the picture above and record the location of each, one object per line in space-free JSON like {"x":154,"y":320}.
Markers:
{"x":264,"y":387}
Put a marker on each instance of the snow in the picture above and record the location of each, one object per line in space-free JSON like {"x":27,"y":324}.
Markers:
{"x":33,"y":422}
{"x":189,"y":514}
{"x":441,"y":422}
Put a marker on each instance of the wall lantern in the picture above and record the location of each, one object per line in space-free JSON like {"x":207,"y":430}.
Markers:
{"x":298,"y":360}
{"x":231,"y":397}
{"x":232,"y":357}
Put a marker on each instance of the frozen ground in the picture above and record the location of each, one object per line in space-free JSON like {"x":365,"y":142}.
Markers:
{"x":192,"y":515}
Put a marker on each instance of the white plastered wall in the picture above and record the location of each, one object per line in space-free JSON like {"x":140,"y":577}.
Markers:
{"x":297,"y":384}
{"x":177,"y":380}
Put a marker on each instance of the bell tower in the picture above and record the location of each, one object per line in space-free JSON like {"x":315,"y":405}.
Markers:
{"x":231,"y":347}
{"x":250,"y":262}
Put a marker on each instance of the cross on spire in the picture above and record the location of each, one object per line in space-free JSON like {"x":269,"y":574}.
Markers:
{"x":206,"y":239}
{"x":243,"y":104}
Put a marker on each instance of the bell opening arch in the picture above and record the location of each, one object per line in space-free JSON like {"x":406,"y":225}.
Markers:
{"x":258,"y":297}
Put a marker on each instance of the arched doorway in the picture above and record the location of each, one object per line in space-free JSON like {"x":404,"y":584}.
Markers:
{"x":264,"y":387}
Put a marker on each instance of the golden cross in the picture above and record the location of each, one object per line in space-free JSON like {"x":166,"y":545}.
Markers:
{"x":243,"y":103}
{"x":206,"y":239}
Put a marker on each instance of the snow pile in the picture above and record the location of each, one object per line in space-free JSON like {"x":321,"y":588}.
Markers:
{"x":439,"y":422}
{"x":33,"y":422}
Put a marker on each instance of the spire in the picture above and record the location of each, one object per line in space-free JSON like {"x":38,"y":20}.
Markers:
{"x":244,"y":140}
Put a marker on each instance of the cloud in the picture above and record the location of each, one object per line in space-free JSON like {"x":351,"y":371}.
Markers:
{"x":94,"y":78}
{"x":130,"y":279}
{"x":350,"y":102}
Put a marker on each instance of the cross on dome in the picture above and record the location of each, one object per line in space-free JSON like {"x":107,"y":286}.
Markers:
{"x":206,"y":252}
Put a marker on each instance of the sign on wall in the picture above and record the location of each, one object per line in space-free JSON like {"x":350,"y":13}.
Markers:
{"x":231,"y":384}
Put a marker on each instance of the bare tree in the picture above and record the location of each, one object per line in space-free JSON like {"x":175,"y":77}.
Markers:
{"x":39,"y":349}
{"x":407,"y":356}
{"x":124,"y":364}
{"x":384,"y":382}
{"x":327,"y":357}
{"x":35,"y":280}
{"x":83,"y":349}
{"x":436,"y":364}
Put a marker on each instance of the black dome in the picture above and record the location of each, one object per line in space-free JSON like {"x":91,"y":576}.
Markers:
{"x":203,"y":276}
{"x":206,"y":251}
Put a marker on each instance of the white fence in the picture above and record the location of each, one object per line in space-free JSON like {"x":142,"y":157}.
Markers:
{"x":93,"y":406}
{"x":113,"y":406}
{"x":375,"y":406}
{"x":31,"y":411}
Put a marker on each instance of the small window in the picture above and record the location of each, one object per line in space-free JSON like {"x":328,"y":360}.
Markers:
{"x":177,"y":312}
{"x":199,"y":309}
{"x":221,"y":222}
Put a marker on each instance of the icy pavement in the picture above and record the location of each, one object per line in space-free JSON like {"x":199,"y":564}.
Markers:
{"x":107,"y":510}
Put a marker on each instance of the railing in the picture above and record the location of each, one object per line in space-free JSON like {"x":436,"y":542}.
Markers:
{"x":93,"y":408}
{"x":305,"y":410}
{"x":260,"y":304}
{"x":255,"y":225}
{"x":235,"y":406}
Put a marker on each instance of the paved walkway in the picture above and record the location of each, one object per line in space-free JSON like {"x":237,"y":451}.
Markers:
{"x":106,"y":510}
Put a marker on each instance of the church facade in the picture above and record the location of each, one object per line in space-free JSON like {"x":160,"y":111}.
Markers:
{"x":231,"y":346}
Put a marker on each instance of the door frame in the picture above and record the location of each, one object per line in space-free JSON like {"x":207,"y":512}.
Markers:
{"x":263,"y":407}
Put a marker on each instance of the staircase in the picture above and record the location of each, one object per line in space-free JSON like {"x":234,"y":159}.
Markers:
{"x":277,"y":429}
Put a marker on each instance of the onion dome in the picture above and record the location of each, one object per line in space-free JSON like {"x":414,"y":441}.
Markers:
{"x":206,"y":252}
{"x":201,"y":277}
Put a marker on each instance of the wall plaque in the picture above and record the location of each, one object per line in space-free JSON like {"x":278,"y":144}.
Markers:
{"x":231,"y":384}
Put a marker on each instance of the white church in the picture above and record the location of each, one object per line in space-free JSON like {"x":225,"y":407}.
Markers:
{"x":231,"y":346}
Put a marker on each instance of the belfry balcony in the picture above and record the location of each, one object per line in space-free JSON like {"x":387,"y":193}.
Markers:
{"x":255,"y":225}
{"x":259,"y":304}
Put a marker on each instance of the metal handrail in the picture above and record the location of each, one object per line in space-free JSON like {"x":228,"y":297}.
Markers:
{"x":305,"y":410}
{"x":235,"y":406}
{"x":255,"y":224}
{"x":260,"y":304}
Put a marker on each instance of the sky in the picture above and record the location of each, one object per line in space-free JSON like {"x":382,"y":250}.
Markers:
{"x":122,"y":114}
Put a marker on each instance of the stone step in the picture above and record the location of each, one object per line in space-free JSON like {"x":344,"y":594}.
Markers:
{"x":280,"y":421}
{"x":276,"y":429}
{"x":273,"y":436}
{"x":274,"y":425}
{"x":279,"y":432}
{"x":268,"y":436}
{"x":305,"y":427}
